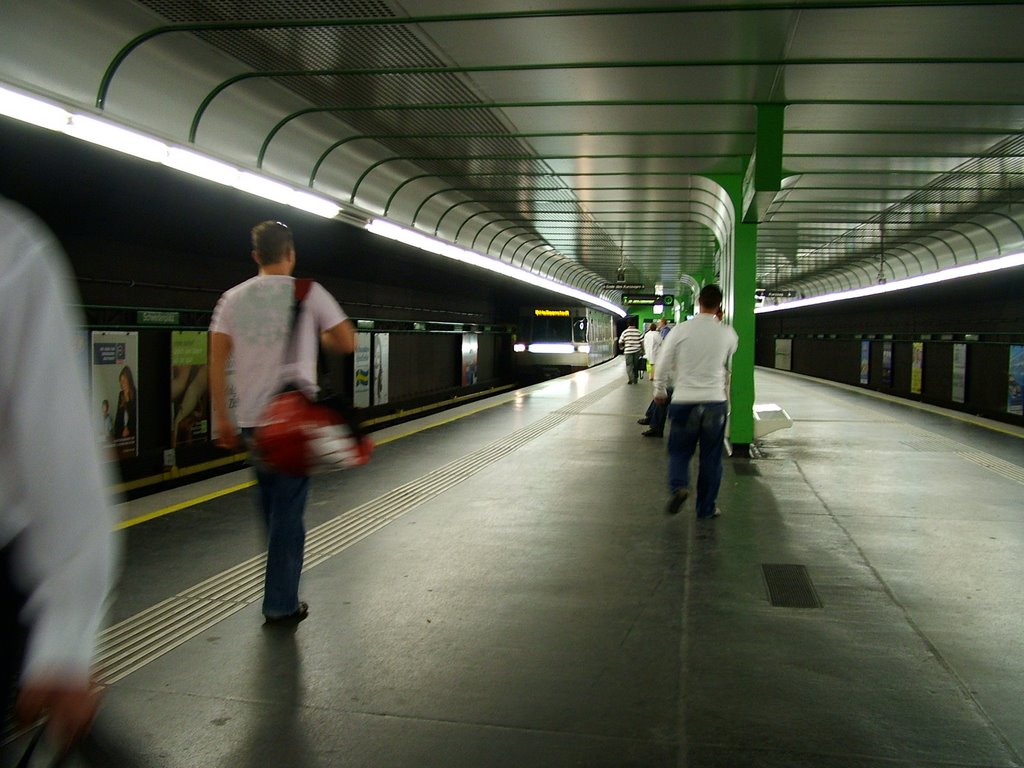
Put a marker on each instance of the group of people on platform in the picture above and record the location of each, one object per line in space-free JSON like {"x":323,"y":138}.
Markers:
{"x":58,"y":554}
{"x":689,"y":366}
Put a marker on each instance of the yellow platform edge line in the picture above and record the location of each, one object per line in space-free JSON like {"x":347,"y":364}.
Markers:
{"x":242,"y":456}
{"x":183,"y":505}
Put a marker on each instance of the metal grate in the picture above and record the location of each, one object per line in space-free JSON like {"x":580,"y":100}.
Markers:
{"x":789,"y":586}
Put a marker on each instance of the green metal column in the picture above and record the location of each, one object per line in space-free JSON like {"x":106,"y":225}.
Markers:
{"x":744,"y":283}
{"x":739,"y":280}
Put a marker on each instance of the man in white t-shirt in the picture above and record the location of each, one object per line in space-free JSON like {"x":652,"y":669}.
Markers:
{"x":251,"y":328}
{"x":694,"y":361}
{"x":57,"y":548}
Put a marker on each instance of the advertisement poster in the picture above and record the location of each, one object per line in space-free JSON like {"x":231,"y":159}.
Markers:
{"x":917,"y":367}
{"x":959,"y":373}
{"x":865,"y":361}
{"x":887,"y":363}
{"x":784,"y":354}
{"x":82,"y":357}
{"x":190,"y":403}
{"x":115,"y":360}
{"x":1015,"y":386}
{"x":380,"y":368}
{"x":361,"y":371}
{"x":470,"y":356}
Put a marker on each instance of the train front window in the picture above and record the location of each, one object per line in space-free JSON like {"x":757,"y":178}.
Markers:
{"x":579,"y":330}
{"x":552,"y":328}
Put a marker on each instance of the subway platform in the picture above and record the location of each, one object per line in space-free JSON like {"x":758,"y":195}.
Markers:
{"x":501,"y":587}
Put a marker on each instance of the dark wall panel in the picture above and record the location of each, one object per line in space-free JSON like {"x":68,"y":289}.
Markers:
{"x":985,"y":313}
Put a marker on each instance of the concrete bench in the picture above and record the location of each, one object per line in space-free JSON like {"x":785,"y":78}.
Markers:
{"x":768,"y":418}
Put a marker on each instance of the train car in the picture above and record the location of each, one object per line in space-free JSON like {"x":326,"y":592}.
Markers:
{"x":553,"y":341}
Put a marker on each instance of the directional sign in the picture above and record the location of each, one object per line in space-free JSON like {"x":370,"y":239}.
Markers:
{"x":624,"y":286}
{"x":647,"y":299}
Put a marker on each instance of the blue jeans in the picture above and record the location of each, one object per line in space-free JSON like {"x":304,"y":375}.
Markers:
{"x":694,"y":423}
{"x":283,"y":502}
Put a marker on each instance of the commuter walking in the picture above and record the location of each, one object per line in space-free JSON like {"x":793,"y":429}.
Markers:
{"x":631,"y":343}
{"x":652,"y":342}
{"x":57,"y":550}
{"x":252,"y":328}
{"x":657,"y":413}
{"x":695,"y":360}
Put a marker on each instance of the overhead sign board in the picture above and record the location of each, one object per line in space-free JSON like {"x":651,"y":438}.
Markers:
{"x":647,"y":299}
{"x":624,"y":286}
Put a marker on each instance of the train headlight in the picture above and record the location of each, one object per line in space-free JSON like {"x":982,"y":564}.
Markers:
{"x":518,"y":347}
{"x":584,"y":348}
{"x":545,"y":348}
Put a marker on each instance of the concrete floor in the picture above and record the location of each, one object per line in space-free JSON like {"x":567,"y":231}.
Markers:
{"x":505,"y":590}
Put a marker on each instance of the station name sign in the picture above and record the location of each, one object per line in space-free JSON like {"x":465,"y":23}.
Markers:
{"x":647,"y":299}
{"x":624,"y":286}
{"x":551,"y":313}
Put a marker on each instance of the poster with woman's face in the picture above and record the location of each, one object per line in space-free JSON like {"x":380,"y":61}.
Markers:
{"x":115,"y":396}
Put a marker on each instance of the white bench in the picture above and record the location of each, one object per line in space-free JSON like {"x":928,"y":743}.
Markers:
{"x":768,"y":418}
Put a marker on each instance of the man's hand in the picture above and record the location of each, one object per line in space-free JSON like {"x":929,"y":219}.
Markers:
{"x":71,"y":708}
{"x":660,"y":399}
{"x":227,"y":434}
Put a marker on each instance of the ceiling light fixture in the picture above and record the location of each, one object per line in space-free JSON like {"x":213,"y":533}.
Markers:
{"x":105,"y":133}
{"x":423,"y":242}
{"x":950,"y":273}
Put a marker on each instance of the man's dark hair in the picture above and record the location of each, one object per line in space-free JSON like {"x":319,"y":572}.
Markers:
{"x":271,"y":241}
{"x":710,"y":296}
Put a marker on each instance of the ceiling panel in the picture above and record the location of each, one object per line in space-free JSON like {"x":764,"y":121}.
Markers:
{"x":584,"y":129}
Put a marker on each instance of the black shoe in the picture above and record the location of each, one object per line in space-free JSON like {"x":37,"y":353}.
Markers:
{"x":644,"y":420}
{"x":290,"y":620}
{"x":676,"y":501}
{"x":650,"y":433}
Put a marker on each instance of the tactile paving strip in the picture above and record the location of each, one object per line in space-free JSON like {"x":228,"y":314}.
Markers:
{"x":138,"y":640}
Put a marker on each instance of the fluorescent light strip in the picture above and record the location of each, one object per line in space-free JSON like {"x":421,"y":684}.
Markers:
{"x":950,"y":273}
{"x":421,"y":241}
{"x":112,"y":136}
{"x":552,"y":348}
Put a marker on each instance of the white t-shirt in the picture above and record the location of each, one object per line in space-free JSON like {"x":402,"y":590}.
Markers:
{"x":256,"y":315}
{"x":652,"y":342}
{"x":54,"y":503}
{"x":695,"y":359}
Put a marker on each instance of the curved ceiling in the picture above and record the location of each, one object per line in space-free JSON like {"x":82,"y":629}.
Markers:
{"x":584,"y":141}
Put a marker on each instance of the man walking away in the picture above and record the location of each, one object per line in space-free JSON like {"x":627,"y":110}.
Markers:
{"x":251,"y":325}
{"x":631,"y":343}
{"x":694,"y":360}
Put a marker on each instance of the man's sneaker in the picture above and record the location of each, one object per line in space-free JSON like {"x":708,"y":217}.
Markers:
{"x":290,"y":620}
{"x":676,"y":501}
{"x":716,"y":513}
{"x":644,"y":421}
{"x":651,"y":433}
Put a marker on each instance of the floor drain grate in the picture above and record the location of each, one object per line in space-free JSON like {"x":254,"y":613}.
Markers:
{"x":789,"y":586}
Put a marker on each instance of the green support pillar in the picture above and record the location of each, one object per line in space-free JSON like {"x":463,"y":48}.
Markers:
{"x":744,"y":284}
{"x":739,"y":280}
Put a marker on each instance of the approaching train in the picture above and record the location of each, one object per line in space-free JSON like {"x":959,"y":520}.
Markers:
{"x":552,"y":341}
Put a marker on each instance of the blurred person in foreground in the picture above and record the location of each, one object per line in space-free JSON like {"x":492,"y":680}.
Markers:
{"x":57,"y":549}
{"x":694,"y":361}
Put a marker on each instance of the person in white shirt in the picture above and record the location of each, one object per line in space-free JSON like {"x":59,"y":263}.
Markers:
{"x":694,"y":360}
{"x":251,"y":328}
{"x":652,"y":342}
{"x":57,"y":549}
